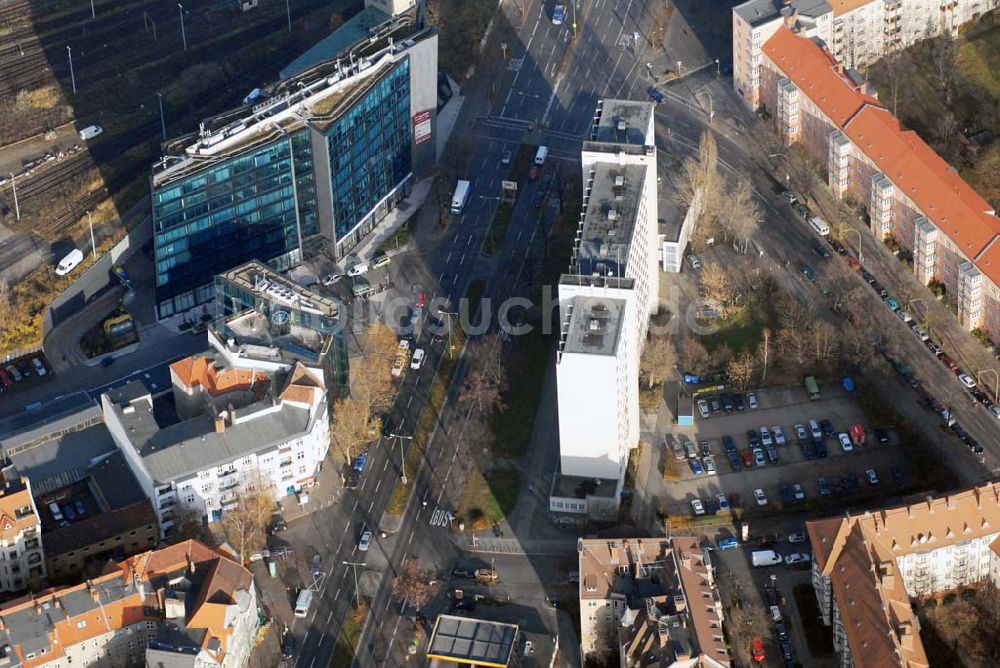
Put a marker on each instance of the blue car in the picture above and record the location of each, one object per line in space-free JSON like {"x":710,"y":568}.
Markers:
{"x":697,"y":468}
{"x":729,"y":543}
{"x":734,"y":460}
{"x":360,"y":461}
{"x":656,"y":95}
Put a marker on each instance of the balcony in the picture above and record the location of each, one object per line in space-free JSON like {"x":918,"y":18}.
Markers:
{"x":227,"y":473}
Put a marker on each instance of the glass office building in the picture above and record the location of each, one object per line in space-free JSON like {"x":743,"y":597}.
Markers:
{"x":370,"y":155}
{"x":255,"y":205}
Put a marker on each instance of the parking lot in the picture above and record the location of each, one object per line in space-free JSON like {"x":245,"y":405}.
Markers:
{"x":844,"y":472}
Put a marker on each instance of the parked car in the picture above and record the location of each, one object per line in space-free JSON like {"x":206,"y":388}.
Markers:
{"x":703,"y":409}
{"x":963,"y":378}
{"x":39,"y":367}
{"x":758,"y":457}
{"x":808,"y":448}
{"x":781,"y":631}
{"x":824,"y":487}
{"x":747,"y":457}
{"x":779,"y":435}
{"x":796,"y":559}
{"x":772,"y":454}
{"x":752,"y":400}
{"x":765,"y":436}
{"x":827,"y":427}
{"x":723,"y":501}
{"x":757,"y":650}
{"x":820,"y":446}
{"x":714,"y":404}
{"x":845,"y":442}
{"x":738,"y":402}
{"x":798,"y":492}
{"x":786,"y":493}
{"x":753,"y":439}
{"x":814,"y":430}
{"x":882,"y":436}
{"x":710,"y":466}
{"x":800,"y":432}
{"x":706,"y":449}
{"x":934,"y":348}
{"x":760,"y":497}
{"x":727,"y":403}
{"x":728,"y":543}
{"x":871,"y":476}
{"x":696,"y":467}
{"x":697,"y":507}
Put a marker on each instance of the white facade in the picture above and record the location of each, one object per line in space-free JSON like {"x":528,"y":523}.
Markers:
{"x":392,"y":7}
{"x":21,"y":553}
{"x":286,"y":459}
{"x":608,"y":294}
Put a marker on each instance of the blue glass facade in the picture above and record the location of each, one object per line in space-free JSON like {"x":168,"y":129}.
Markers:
{"x":243,"y":208}
{"x":370,"y":151}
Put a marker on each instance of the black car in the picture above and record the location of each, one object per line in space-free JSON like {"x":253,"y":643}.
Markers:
{"x":353,"y":480}
{"x":714,"y":404}
{"x":462,"y":573}
{"x":820,"y":446}
{"x":288,"y":646}
{"x":781,"y":631}
{"x":867,"y":275}
{"x":808,"y":449}
{"x":787,"y":653}
{"x":882,"y":436}
{"x":837,"y":246}
{"x":753,"y":438}
{"x":278,"y":525}
{"x":727,"y":403}
{"x":820,"y":251}
{"x":738,"y":402}
{"x":827,"y":427}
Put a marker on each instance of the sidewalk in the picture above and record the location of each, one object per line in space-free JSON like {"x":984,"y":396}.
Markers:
{"x":325,"y":492}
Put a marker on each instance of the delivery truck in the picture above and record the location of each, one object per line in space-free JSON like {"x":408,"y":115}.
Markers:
{"x":460,"y":197}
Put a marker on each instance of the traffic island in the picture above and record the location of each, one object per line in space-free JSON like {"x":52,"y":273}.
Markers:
{"x":350,"y":634}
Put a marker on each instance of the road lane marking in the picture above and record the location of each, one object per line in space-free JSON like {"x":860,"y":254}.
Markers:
{"x":448,"y":260}
{"x":386,"y":465}
{"x":411,"y":538}
{"x":379,"y":483}
{"x":335,"y":597}
{"x":370,"y":505}
{"x":356,"y":503}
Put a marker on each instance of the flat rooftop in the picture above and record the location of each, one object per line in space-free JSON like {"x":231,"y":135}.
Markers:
{"x":578,"y":487}
{"x":355,"y":29}
{"x":595,"y":324}
{"x":756,"y":12}
{"x":623,"y":122}
{"x":179,"y":450}
{"x":609,"y":219}
{"x":263,"y":281}
{"x":254,"y":341}
{"x":64,"y":458}
{"x":472,"y":641}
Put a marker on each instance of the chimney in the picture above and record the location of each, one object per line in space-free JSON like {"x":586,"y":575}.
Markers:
{"x":232,"y":413}
{"x":94,"y":594}
{"x":220,"y":422}
{"x":191,"y":564}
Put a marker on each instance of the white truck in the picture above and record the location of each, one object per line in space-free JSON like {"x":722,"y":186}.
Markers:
{"x":460,"y":197}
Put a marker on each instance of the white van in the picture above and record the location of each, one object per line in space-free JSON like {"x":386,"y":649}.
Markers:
{"x":762,"y":558}
{"x":358,"y":269}
{"x":56,"y":512}
{"x":820,"y":226}
{"x":303,"y":603}
{"x":90,"y":132}
{"x":68,"y":263}
{"x":543,"y":152}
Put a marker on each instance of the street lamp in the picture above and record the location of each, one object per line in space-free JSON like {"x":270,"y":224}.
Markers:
{"x":357,"y":592}
{"x":718,"y":73}
{"x":288,"y":11}
{"x":72,"y":77}
{"x":93,"y":246}
{"x":163,"y":122}
{"x":402,"y":457}
{"x":996,"y":382}
{"x":180,"y":8}
{"x":711,"y":104}
{"x":861,"y":257}
{"x":451,"y":327}
{"x":13,"y":186}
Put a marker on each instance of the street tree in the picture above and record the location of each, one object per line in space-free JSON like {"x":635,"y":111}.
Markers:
{"x":742,"y":215}
{"x":350,"y":428}
{"x":414,"y":584}
{"x":764,"y":353}
{"x":371,"y":375}
{"x":486,"y":380}
{"x":245,"y":524}
{"x":658,"y":359}
{"x":700,"y":175}
{"x":694,"y":353}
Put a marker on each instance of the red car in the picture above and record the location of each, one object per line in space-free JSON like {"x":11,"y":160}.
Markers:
{"x":950,"y":363}
{"x":421,"y":299}
{"x":747,"y":457}
{"x":535,"y":172}
{"x":5,"y":379}
{"x":757,"y":650}
{"x":853,"y":261}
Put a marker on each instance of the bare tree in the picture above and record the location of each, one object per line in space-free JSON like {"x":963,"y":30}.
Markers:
{"x":658,"y":358}
{"x":694,"y":354}
{"x":715,"y":284}
{"x":765,"y":353}
{"x":414,"y":584}
{"x":245,"y":525}
{"x":741,"y":369}
{"x":486,"y":380}
{"x":350,"y":428}
{"x":700,"y":176}
{"x":741,"y":219}
{"x":371,"y":374}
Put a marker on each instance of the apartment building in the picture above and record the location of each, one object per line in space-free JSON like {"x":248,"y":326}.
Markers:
{"x":906,"y":189}
{"x":868,"y":567}
{"x":22,"y":559}
{"x":238,"y":426}
{"x":657,"y":596}
{"x":607,"y":296}
{"x":313,"y":161}
{"x":855,"y":32}
{"x":184,"y":605}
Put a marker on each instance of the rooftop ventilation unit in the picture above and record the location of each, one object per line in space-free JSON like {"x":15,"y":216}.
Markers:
{"x":622,"y":125}
{"x":619,"y":180}
{"x":612,"y":214}
{"x":595,"y":324}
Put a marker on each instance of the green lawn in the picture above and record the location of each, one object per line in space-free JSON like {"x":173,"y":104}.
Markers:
{"x":513,"y":427}
{"x":742,"y":330}
{"x":487,"y":501}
